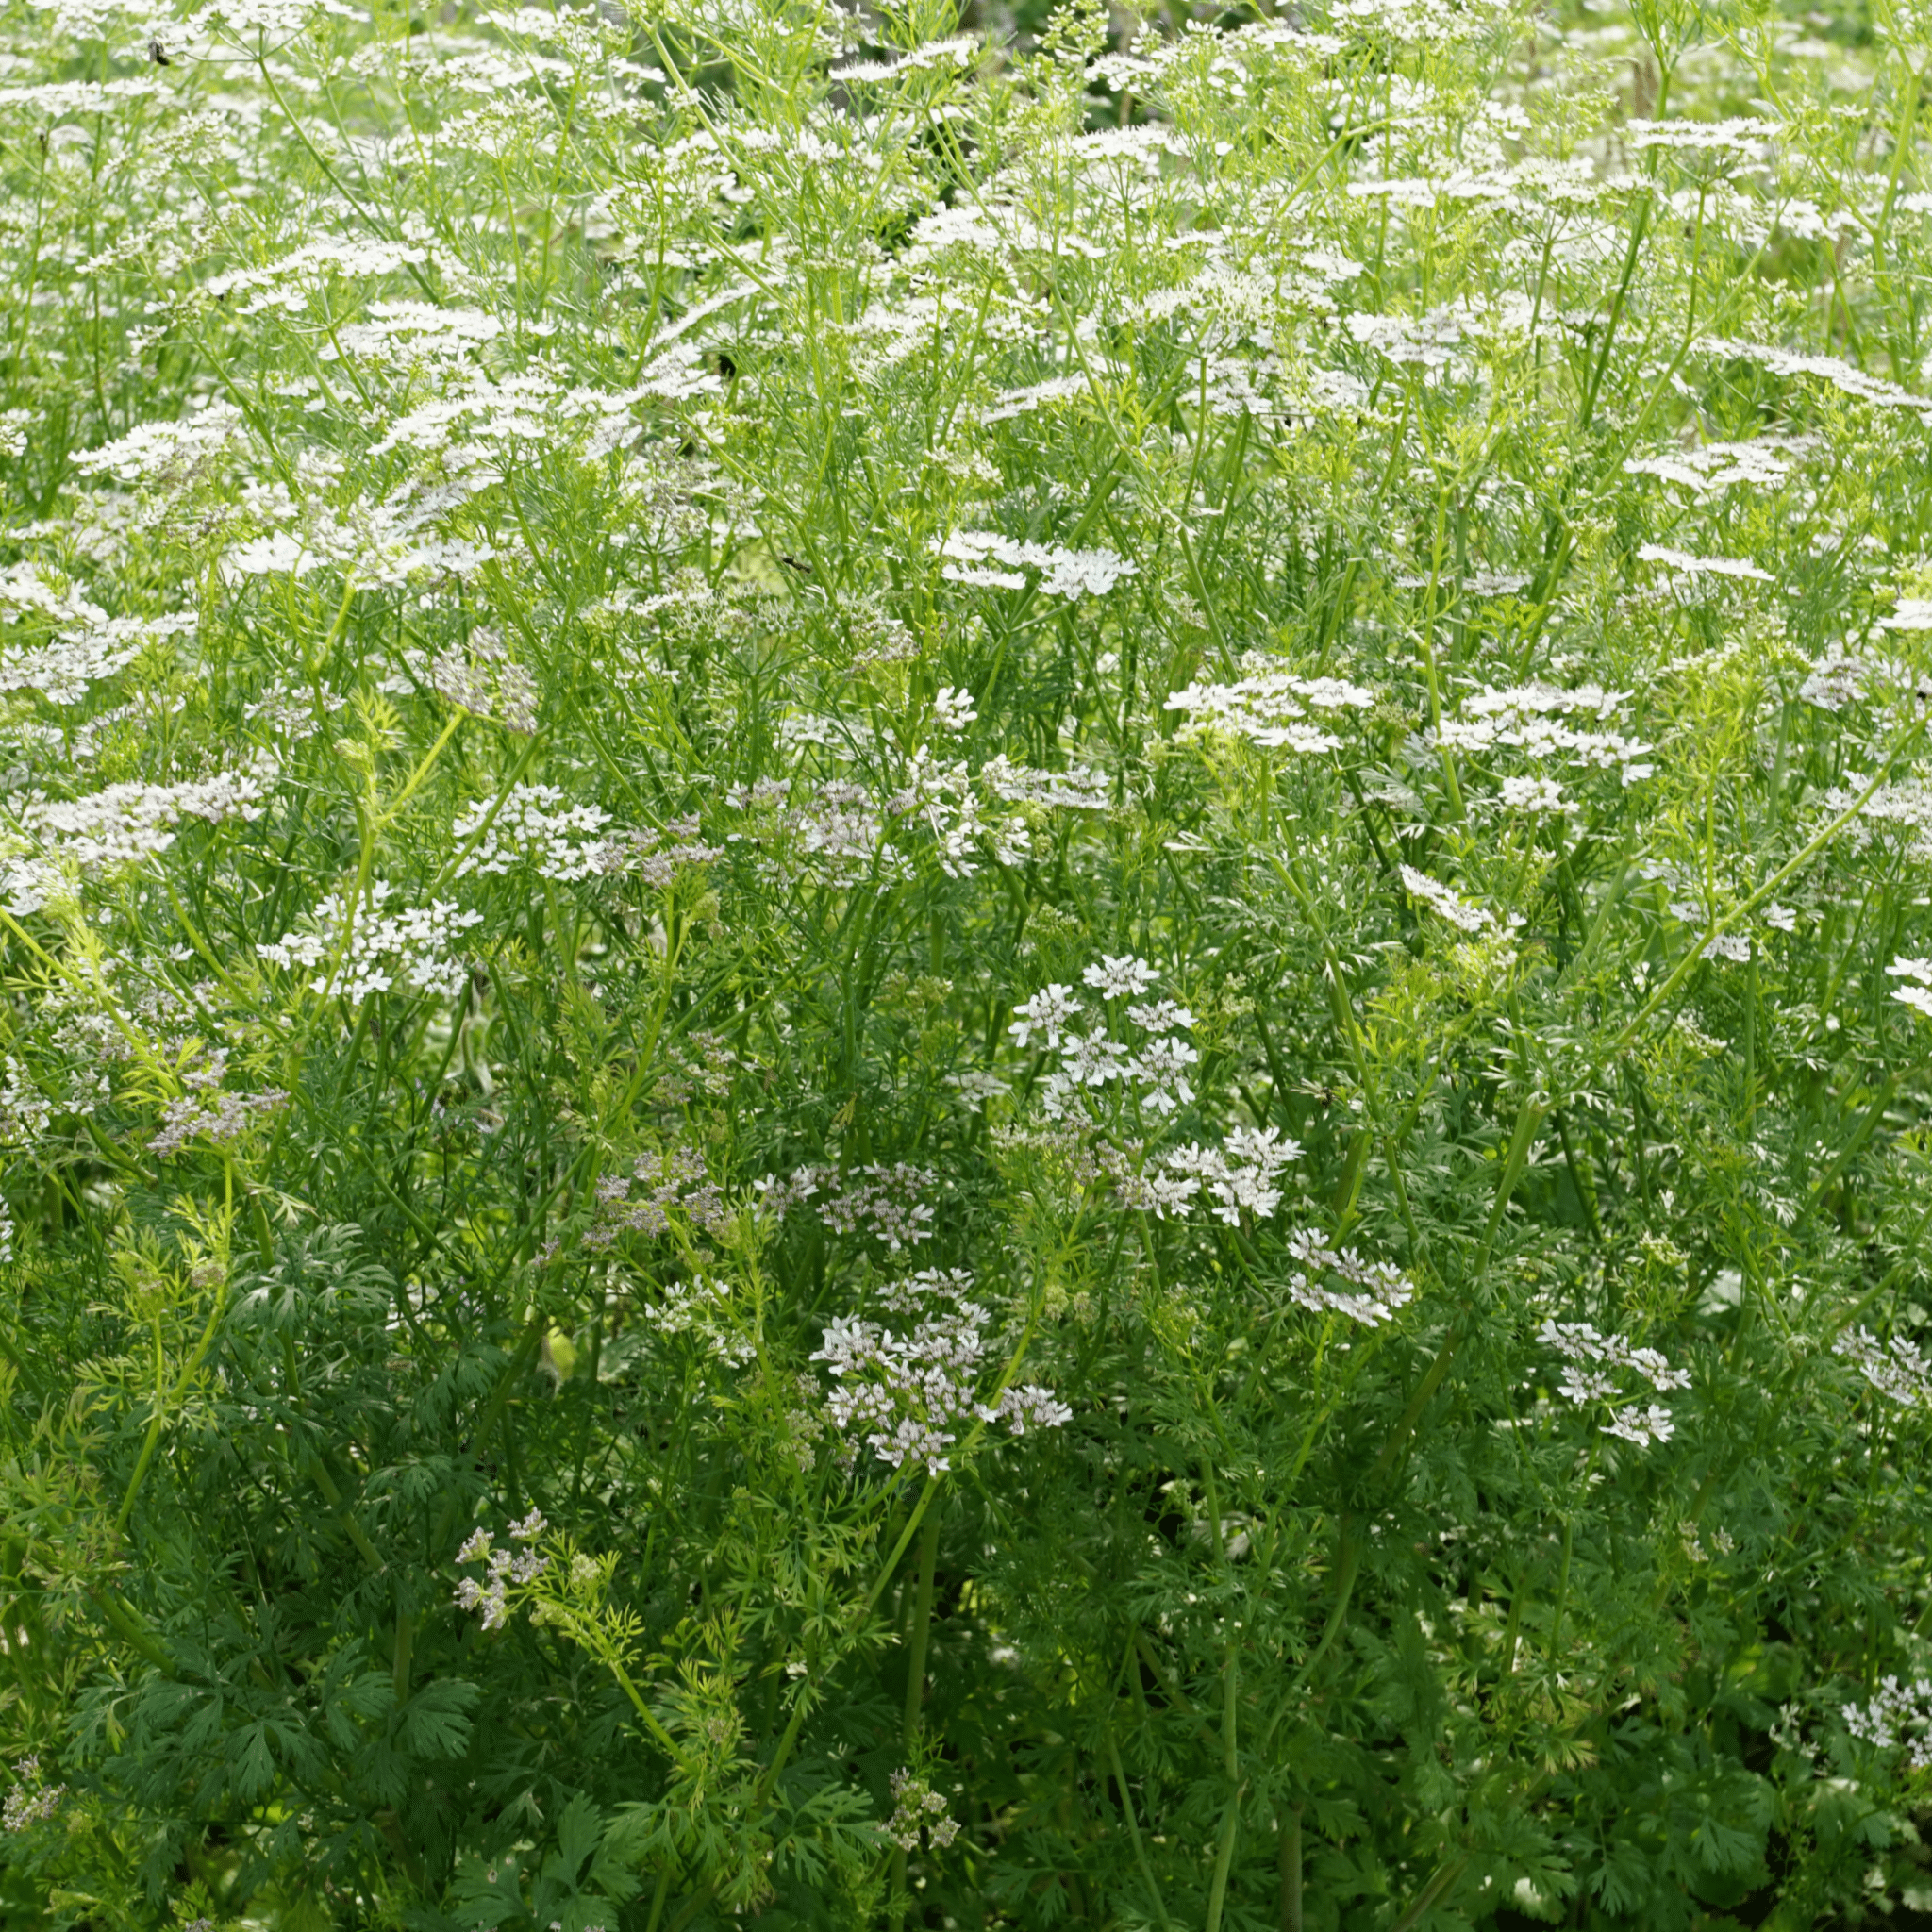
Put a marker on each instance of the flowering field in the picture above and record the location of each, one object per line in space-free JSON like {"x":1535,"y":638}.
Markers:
{"x":965,"y":977}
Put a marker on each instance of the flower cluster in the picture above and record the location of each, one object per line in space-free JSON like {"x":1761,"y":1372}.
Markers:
{"x":961,"y":812}
{"x":1235,"y":1178}
{"x":67,"y":668}
{"x":886,"y":1203}
{"x":32,"y":1800}
{"x":1272,"y":709}
{"x":1837,"y":678}
{"x":1530,"y":719}
{"x":910,"y":1395}
{"x":1897,"y":1369}
{"x":1841,"y":375}
{"x":1687,"y":565}
{"x":917,"y":1810}
{"x":1375,"y":1291}
{"x":1441,"y":899}
{"x":502,"y":1568}
{"x":833,"y":831}
{"x":489,"y":685}
{"x":1764,"y":461}
{"x":1897,"y":1714}
{"x":536,"y":827}
{"x":1916,"y":993}
{"x":839,"y":831}
{"x":1068,"y":574}
{"x":674,"y":1181}
{"x":1154,"y":1067}
{"x":212,"y":1115}
{"x":700,"y":1307}
{"x":1595,"y":1365}
{"x":24,"y":1111}
{"x":368,"y":949}
{"x":125,"y":824}
{"x":1078,"y":788}
{"x":953,"y":710}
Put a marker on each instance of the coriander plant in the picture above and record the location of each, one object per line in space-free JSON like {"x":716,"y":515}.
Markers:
{"x":965,"y":973}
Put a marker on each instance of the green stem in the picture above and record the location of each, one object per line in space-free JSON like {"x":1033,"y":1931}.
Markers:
{"x":915,"y":1687}
{"x":1223,"y":1859}
{"x":1693,"y":957}
{"x":1147,"y":1879}
{"x":158,"y":1421}
{"x":1446,"y":1873}
{"x":1291,"y":1871}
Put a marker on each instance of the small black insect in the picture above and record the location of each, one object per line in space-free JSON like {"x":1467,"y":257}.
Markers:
{"x":158,"y":54}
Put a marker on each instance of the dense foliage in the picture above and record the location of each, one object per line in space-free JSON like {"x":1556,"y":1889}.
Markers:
{"x":964,"y":979}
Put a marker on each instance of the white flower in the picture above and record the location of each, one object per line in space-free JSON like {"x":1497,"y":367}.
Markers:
{"x":1271,"y":709}
{"x":1579,"y":1343}
{"x":1438,"y":898}
{"x":1841,"y":375}
{"x":1092,"y":1060}
{"x":1586,"y":1385}
{"x":268,"y":556}
{"x":1643,"y":1426}
{"x":1836,"y":679}
{"x":1035,"y":1404}
{"x":1120,"y":978}
{"x":1064,"y":573}
{"x":1897,"y":1370}
{"x":1375,"y":1290}
{"x":976,"y":1087}
{"x":1534,"y":795}
{"x":1160,"y":1194}
{"x":128,"y":823}
{"x":1047,"y":1012}
{"x":1241,"y":1175}
{"x":979,"y":577}
{"x":954,"y":708}
{"x":1895,"y":1709}
{"x":1919,"y":995}
{"x":412,"y":948}
{"x":1703,"y":566}
{"x":1160,"y":1066}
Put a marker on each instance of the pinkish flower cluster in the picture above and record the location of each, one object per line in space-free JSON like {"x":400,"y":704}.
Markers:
{"x":207,"y":1112}
{"x":501,"y":1569}
{"x":883,"y":1202}
{"x":675,"y":1180}
{"x":32,"y":1800}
